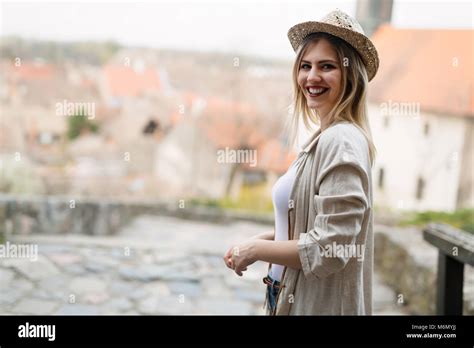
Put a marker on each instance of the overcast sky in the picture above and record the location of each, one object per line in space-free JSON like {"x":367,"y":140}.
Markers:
{"x":251,"y":27}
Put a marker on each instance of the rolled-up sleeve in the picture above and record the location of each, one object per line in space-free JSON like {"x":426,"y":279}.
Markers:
{"x":341,"y":203}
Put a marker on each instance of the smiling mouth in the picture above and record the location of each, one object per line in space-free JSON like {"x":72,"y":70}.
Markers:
{"x":316,"y":92}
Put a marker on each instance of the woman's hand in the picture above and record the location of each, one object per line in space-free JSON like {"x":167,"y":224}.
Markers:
{"x":270,"y":235}
{"x":228,"y":258}
{"x":238,"y":257}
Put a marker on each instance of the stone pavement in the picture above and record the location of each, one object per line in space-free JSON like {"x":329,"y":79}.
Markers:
{"x":155,"y":265}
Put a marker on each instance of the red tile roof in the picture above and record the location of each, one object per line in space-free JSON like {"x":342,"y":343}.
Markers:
{"x":274,"y":157}
{"x":419,"y":65}
{"x":29,"y":71}
{"x":123,"y":81}
{"x":234,"y":125}
{"x":227,"y":123}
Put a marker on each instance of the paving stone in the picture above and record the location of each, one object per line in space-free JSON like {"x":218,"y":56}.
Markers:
{"x":9,"y":297}
{"x":35,"y":270}
{"x":33,"y":306}
{"x":116,"y":306}
{"x":147,"y":273}
{"x":144,"y":273}
{"x":215,"y":286}
{"x":188,"y":289}
{"x":50,"y":295}
{"x":22,"y":285}
{"x":52,"y":288}
{"x":157,"y":288}
{"x":96,"y":267}
{"x":63,"y":259}
{"x":6,"y":276}
{"x":120,"y":253}
{"x":54,"y":248}
{"x":181,"y":275}
{"x":57,"y":282}
{"x":118,"y":287}
{"x":75,"y":269}
{"x":95,"y":298}
{"x":258,"y":310}
{"x":138,"y":294}
{"x":104,"y":260}
{"x":232,"y":280}
{"x":222,"y":306}
{"x":167,"y":257}
{"x":77,"y":309}
{"x":253,"y":296}
{"x":84,"y":285}
{"x":166,"y":305}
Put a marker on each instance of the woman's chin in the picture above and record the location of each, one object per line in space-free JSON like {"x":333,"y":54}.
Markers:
{"x":313,"y":105}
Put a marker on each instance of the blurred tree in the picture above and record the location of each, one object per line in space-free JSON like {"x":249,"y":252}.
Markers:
{"x":79,"y":123}
{"x":89,"y":52}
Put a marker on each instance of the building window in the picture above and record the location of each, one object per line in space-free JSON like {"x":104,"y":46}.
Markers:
{"x":420,"y":188}
{"x":151,"y":127}
{"x":426,"y":129}
{"x":381,"y":178}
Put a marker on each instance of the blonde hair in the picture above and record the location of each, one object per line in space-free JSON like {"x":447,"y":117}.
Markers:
{"x":351,"y":104}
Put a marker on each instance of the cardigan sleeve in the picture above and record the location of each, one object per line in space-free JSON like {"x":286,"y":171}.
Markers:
{"x":341,"y":204}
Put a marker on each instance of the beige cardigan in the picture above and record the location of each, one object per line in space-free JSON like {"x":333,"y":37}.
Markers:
{"x":330,"y":208}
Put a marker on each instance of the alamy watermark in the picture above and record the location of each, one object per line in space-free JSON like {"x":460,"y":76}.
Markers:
{"x":392,"y":108}
{"x":344,"y":251}
{"x":19,"y":251}
{"x":28,"y":330}
{"x":67,"y":108}
{"x":228,"y":155}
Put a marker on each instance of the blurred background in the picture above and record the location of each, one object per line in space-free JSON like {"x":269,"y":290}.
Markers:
{"x":113,"y":116}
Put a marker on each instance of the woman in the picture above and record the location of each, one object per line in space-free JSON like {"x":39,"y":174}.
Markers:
{"x":321,"y":252}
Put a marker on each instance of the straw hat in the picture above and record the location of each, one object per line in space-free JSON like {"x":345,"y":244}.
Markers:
{"x":343,"y":26}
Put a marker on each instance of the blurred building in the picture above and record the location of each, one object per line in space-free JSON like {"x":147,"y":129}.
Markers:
{"x":422,"y":118}
{"x":187,"y":158}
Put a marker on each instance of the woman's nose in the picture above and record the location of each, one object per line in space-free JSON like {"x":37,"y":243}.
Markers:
{"x":314,"y":75}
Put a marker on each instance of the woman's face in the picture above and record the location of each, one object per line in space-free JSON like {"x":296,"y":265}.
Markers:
{"x":320,"y":70}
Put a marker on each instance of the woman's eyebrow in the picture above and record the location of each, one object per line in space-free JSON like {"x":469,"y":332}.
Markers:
{"x":321,"y":61}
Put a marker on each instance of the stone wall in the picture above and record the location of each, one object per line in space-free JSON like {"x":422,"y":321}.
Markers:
{"x":59,"y":215}
{"x":408,"y":264}
{"x":403,"y":260}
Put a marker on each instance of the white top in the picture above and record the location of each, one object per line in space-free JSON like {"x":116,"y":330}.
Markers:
{"x":281,"y":194}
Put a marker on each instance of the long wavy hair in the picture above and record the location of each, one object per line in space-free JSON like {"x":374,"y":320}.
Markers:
{"x":351,"y":104}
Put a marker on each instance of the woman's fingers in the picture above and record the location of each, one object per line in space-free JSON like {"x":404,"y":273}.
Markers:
{"x":228,"y":258}
{"x":228,"y":262}
{"x":239,"y":271}
{"x":229,"y":253}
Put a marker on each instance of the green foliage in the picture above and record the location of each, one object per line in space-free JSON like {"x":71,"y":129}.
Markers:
{"x":89,"y":52}
{"x":462,"y":219}
{"x":78,"y":123}
{"x":251,"y":199}
{"x":20,"y":177}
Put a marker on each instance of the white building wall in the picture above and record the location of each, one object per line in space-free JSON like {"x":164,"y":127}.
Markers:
{"x":187,"y":162}
{"x":405,"y":153}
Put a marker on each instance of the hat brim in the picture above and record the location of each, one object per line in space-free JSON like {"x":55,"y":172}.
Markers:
{"x":358,"y":41}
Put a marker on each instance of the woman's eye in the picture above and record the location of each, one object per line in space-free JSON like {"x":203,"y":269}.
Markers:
{"x":304,"y":65}
{"x":327,"y":66}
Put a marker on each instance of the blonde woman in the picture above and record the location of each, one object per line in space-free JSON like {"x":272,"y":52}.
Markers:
{"x":321,"y":251}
